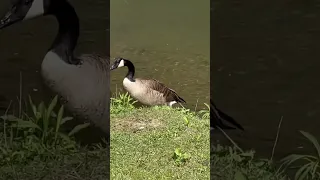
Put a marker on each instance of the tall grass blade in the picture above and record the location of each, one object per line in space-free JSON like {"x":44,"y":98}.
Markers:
{"x":314,"y":169}
{"x":41,"y":109}
{"x":313,"y":140}
{"x":58,"y":123}
{"x":240,"y":176}
{"x":48,"y":115}
{"x":65,"y":119}
{"x":294,"y":157}
{"x":34,"y":109}
{"x":78,"y":128}
{"x":25,"y":124}
{"x":303,"y":172}
{"x":207,"y":105}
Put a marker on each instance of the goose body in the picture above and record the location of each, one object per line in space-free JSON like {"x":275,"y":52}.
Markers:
{"x":217,"y":118}
{"x":147,"y":91}
{"x":82,"y":82}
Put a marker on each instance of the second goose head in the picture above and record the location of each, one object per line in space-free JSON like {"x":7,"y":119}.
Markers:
{"x":22,"y":10}
{"x":147,"y":91}
{"x":121,"y":62}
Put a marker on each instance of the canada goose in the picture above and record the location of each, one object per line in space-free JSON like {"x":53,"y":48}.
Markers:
{"x":218,"y":117}
{"x":147,"y":91}
{"x":82,"y":82}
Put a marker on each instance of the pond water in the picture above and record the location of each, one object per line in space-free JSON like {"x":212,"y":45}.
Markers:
{"x":166,"y":40}
{"x":266,"y":66}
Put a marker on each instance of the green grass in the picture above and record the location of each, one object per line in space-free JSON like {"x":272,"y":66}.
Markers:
{"x":229,"y":163}
{"x":308,"y":164}
{"x":158,"y":142}
{"x":234,"y":163}
{"x":166,"y":143}
{"x":34,"y":145}
{"x":72,"y":166}
{"x":174,"y":143}
{"x":146,"y":143}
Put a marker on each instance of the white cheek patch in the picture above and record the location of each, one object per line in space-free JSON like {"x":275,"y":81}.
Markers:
{"x":35,"y":10}
{"x":121,"y":64}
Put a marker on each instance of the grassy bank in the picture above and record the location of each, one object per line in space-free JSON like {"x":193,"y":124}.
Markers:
{"x":146,"y":143}
{"x":158,"y":142}
{"x":166,"y":143}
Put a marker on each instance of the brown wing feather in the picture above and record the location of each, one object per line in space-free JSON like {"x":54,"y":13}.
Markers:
{"x":168,"y":93}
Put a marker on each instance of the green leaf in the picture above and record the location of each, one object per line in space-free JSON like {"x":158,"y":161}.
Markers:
{"x":34,"y":109}
{"x":52,"y":104}
{"x":58,"y":123}
{"x":186,"y":120}
{"x":60,"y":114}
{"x":313,"y":140}
{"x":260,"y":164}
{"x":177,"y":151}
{"x":247,"y":154}
{"x":69,"y":146}
{"x":65,"y":119}
{"x":240,"y":176}
{"x":48,"y":113}
{"x":3,"y":151}
{"x":41,"y":109}
{"x":63,"y":136}
{"x":25,"y":124}
{"x":294,"y":157}
{"x":303,"y":172}
{"x":314,"y":169}
{"x":78,"y":128}
{"x":8,"y":117}
{"x":187,"y":156}
{"x":53,"y":114}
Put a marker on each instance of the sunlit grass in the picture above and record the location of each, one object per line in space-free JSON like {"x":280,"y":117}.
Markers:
{"x":121,"y":103}
{"x":158,"y":142}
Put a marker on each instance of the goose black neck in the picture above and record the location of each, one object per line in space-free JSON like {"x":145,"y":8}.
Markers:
{"x":66,"y":40}
{"x":131,"y":70}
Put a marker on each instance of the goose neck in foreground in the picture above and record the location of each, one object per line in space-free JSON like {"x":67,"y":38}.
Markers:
{"x":67,"y":37}
{"x":131,"y":71}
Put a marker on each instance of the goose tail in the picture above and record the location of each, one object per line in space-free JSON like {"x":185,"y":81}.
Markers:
{"x":177,"y":98}
{"x":218,"y":117}
{"x":180,"y":99}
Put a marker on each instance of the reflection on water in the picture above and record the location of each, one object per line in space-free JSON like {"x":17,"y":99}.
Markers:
{"x":166,"y":40}
{"x":266,"y":65}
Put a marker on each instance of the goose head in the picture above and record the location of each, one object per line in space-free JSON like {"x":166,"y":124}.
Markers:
{"x":22,"y":10}
{"x":119,"y":62}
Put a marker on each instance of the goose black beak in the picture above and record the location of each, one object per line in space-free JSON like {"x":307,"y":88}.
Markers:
{"x":113,"y":67}
{"x":9,"y":18}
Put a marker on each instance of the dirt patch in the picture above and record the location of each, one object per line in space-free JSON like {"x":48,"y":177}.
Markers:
{"x":135,"y":124}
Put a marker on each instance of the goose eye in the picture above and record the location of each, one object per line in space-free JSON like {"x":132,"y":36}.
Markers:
{"x":27,"y":1}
